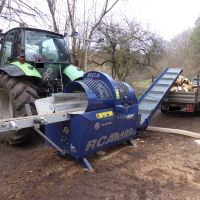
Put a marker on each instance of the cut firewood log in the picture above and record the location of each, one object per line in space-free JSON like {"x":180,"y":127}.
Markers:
{"x":187,"y":81}
{"x":183,"y":84}
{"x":179,"y":88}
{"x":185,"y":89}
{"x":179,"y":81}
{"x":189,"y":88}
{"x":174,"y":89}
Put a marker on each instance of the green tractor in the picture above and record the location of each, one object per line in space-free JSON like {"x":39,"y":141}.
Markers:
{"x":34,"y":63}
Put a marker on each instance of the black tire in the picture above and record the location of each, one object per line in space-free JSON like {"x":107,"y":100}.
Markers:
{"x":19,"y":93}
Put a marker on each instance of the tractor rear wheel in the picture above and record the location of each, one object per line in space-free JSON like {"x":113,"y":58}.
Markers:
{"x":14,"y":95}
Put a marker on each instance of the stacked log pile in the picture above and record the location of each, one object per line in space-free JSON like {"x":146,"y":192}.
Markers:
{"x":183,"y":84}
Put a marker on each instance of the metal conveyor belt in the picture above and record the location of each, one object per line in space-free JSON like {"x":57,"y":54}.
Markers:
{"x":149,"y":101}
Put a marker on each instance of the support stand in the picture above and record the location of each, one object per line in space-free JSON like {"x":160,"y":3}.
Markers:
{"x":86,"y":164}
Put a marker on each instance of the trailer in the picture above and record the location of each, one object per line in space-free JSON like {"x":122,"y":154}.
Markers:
{"x":93,"y":114}
{"x":182,"y":101}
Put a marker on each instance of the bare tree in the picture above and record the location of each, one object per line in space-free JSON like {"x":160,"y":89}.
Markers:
{"x":127,"y":47}
{"x":71,"y":10}
{"x":178,"y":50}
{"x":104,"y":11}
{"x":18,"y":11}
{"x":86,"y":25}
{"x":2,"y":4}
{"x":52,"y":9}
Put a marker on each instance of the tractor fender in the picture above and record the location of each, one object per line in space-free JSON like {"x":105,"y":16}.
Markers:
{"x":12,"y":70}
{"x":73,"y":72}
{"x":18,"y":69}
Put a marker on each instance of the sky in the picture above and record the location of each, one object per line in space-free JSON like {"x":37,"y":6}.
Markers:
{"x":166,"y":17}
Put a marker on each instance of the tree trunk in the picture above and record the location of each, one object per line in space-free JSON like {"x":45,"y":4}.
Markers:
{"x":2,"y":6}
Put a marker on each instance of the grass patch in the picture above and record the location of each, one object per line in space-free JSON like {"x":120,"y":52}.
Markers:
{"x":142,"y":84}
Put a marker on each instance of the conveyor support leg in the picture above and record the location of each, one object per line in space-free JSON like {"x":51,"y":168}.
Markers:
{"x":86,"y":164}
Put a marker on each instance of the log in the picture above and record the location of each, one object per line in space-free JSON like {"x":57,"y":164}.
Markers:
{"x":186,"y":81}
{"x":174,"y":89}
{"x":180,"y":88}
{"x":189,"y":88}
{"x":174,"y":131}
{"x":185,"y":89}
{"x":183,"y":84}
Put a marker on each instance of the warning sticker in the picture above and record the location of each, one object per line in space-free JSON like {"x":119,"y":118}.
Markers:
{"x":104,"y":114}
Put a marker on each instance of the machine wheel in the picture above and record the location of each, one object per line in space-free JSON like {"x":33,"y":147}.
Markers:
{"x":14,"y":95}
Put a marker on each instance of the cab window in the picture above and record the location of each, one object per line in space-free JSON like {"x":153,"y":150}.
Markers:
{"x":11,"y":46}
{"x":7,"y":47}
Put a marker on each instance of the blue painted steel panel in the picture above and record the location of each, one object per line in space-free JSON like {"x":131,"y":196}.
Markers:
{"x":87,"y":134}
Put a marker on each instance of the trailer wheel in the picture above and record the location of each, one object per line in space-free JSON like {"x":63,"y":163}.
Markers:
{"x":163,"y":111}
{"x":14,"y":95}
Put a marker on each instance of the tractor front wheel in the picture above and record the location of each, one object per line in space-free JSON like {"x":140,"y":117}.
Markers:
{"x":14,"y":95}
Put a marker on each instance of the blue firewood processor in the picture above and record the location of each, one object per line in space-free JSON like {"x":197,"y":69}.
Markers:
{"x":94,"y":114}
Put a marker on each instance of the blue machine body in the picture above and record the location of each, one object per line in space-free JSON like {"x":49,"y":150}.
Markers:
{"x":110,"y":117}
{"x":112,"y":114}
{"x":87,"y":134}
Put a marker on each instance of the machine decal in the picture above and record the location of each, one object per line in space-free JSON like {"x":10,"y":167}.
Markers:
{"x":104,"y":114}
{"x":106,"y":124}
{"x":97,"y":126}
{"x":106,"y":139}
{"x":117,"y":94}
{"x":93,"y":75}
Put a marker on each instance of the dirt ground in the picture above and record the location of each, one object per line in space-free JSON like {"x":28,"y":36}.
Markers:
{"x":158,"y":166}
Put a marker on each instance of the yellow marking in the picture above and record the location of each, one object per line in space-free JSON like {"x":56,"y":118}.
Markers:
{"x":117,"y":94}
{"x":104,"y":114}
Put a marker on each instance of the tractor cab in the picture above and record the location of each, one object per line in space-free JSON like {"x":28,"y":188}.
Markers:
{"x":38,"y":54}
{"x":36,"y":46}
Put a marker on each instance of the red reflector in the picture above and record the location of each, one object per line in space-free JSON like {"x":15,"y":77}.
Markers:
{"x":189,"y":108}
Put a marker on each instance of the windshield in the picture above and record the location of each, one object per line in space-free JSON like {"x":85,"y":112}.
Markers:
{"x":45,"y":47}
